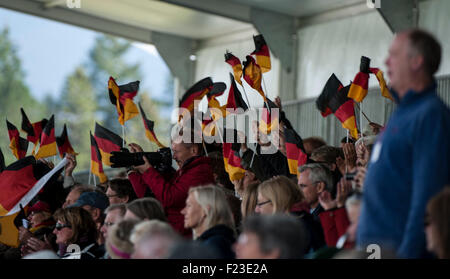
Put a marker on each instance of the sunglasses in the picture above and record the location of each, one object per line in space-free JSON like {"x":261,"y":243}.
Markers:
{"x":60,"y":226}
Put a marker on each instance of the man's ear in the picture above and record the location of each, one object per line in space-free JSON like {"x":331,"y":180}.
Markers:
{"x":417,"y":62}
{"x":320,"y":187}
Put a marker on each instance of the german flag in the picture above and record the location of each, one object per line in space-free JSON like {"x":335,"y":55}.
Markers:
{"x":214,"y":109}
{"x":262,"y":53}
{"x":149,"y":125}
{"x":48,"y":141}
{"x":232,"y":162}
{"x":384,"y":90}
{"x":122,"y":97}
{"x":106,"y":142}
{"x":253,"y":75}
{"x":63,"y":143}
{"x":18,"y":145}
{"x":360,"y":85}
{"x":96,"y":161}
{"x":2,"y":161}
{"x":196,"y":92}
{"x":34,"y":130}
{"x":236,"y":65}
{"x":235,"y":100}
{"x":331,"y":88}
{"x":343,"y":109}
{"x":269,"y":120}
{"x":295,"y":152}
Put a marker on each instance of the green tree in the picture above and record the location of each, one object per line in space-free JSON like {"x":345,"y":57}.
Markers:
{"x":77,"y":108}
{"x":14,"y":93}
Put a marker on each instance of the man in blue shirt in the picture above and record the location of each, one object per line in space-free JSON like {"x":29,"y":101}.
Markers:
{"x":410,"y":161}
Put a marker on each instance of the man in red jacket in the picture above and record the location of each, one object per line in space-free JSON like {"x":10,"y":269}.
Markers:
{"x":193,"y":170}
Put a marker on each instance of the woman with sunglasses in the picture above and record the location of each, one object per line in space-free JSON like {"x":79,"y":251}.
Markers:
{"x":76,"y":233}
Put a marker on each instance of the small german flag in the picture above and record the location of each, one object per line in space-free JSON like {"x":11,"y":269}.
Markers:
{"x":343,"y":109}
{"x":107,"y":142}
{"x":262,"y":53}
{"x":48,"y":141}
{"x":253,"y":75}
{"x":17,"y":144}
{"x":359,"y":88}
{"x":232,"y":162}
{"x":331,"y":88}
{"x":122,"y":97}
{"x":96,"y":161}
{"x":236,"y":65}
{"x":34,"y":130}
{"x":235,"y":100}
{"x":295,"y":152}
{"x":196,"y":92}
{"x":149,"y":125}
{"x":64,"y":145}
{"x":269,"y":120}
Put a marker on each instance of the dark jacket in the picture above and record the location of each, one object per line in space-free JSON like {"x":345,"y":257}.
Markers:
{"x":220,"y":238}
{"x":172,"y":192}
{"x":314,"y":228}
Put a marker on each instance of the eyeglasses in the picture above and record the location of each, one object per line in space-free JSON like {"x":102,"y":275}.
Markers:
{"x":60,"y":226}
{"x":306,"y":185}
{"x":262,"y":203}
{"x":112,"y":196}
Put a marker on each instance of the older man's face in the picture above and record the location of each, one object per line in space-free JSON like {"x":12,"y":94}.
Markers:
{"x":399,"y":64}
{"x":182,"y":152}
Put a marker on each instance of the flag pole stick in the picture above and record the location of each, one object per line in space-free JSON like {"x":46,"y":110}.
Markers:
{"x":95,"y":182}
{"x":363,"y":112}
{"x":90,"y":172}
{"x":123,"y":135}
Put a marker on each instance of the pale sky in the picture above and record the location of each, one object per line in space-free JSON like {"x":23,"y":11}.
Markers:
{"x":50,"y":51}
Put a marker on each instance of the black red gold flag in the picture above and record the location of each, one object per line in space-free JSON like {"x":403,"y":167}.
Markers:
{"x":64,"y":145}
{"x":122,"y":97}
{"x":17,"y":144}
{"x":96,"y":161}
{"x":107,"y":142}
{"x":195,"y":93}
{"x":149,"y":125}
{"x":235,"y":99}
{"x":253,"y":75}
{"x":262,"y":53}
{"x":295,"y":152}
{"x":235,"y":65}
{"x":48,"y":146}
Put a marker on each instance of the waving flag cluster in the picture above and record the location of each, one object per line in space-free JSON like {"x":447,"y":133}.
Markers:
{"x":63,"y":144}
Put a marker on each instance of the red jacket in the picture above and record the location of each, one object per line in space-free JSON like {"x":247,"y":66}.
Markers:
{"x":334,"y":223}
{"x":173,"y":192}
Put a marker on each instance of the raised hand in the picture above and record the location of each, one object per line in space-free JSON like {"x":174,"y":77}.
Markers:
{"x":326,"y":200}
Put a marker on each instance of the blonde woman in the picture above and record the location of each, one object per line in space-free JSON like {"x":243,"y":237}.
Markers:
{"x":281,"y":195}
{"x":209,"y":216}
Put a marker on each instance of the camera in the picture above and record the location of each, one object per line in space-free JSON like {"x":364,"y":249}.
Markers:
{"x":161,"y":160}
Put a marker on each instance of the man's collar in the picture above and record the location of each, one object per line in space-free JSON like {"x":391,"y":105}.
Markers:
{"x":411,"y":93}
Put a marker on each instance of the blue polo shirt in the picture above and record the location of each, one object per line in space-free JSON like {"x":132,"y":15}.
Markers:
{"x":410,"y":163}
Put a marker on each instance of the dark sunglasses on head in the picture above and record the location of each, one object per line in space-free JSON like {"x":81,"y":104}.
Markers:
{"x":60,"y":226}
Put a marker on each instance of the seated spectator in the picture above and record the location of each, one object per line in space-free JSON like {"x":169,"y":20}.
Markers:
{"x":312,"y":143}
{"x":118,"y":244}
{"x":120,"y":191}
{"x":75,"y":193}
{"x":41,"y":227}
{"x":145,"y":209}
{"x":278,"y":236}
{"x":75,"y":226}
{"x":280,"y":195}
{"x":209,"y":216}
{"x":249,"y":200}
{"x":95,"y":203}
{"x":114,"y":214}
{"x":153,"y":240}
{"x":437,"y":226}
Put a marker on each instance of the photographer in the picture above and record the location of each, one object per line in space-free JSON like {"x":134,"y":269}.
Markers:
{"x":193,"y":170}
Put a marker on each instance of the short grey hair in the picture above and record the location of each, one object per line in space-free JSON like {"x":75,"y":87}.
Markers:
{"x":119,"y":206}
{"x":319,"y":173}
